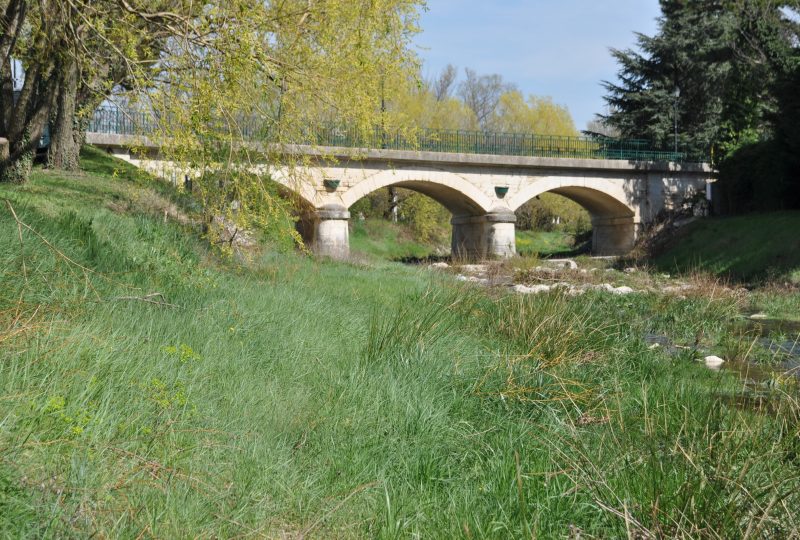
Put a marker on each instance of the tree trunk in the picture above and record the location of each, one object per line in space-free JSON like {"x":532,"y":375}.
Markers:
{"x":16,"y":163}
{"x":22,"y":120}
{"x":394,"y":204}
{"x":66,"y":134}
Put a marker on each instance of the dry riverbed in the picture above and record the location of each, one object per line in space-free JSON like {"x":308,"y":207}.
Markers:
{"x":770,"y":347}
{"x":575,"y":277}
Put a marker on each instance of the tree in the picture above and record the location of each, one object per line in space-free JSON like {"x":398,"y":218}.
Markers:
{"x":482,"y":94}
{"x":539,"y":115}
{"x":416,"y":104}
{"x":218,"y":75}
{"x":73,"y":53}
{"x":708,"y":74}
{"x":442,"y":86}
{"x":117,"y":36}
{"x":23,"y":115}
{"x":599,"y":126}
{"x":675,"y":79}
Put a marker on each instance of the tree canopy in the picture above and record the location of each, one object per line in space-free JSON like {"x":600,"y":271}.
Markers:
{"x":709,"y":73}
{"x":213,"y":69}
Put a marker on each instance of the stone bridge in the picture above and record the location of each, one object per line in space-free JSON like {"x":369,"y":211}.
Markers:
{"x":482,"y":191}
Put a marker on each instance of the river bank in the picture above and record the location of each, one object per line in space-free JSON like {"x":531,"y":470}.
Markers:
{"x":149,"y":387}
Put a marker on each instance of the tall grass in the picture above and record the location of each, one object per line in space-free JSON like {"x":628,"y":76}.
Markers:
{"x":283,"y":398}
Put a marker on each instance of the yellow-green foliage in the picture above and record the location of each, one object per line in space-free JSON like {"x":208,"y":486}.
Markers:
{"x":428,"y":219}
{"x":538,"y":115}
{"x":542,"y":212}
{"x":272,"y":72}
{"x":416,"y":105}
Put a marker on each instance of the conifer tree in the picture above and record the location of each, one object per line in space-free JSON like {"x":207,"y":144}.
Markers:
{"x":710,"y":71}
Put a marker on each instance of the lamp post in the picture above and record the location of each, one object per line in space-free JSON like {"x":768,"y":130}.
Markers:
{"x":676,"y":94}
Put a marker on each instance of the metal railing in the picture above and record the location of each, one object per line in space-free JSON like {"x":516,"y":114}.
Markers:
{"x":118,"y":121}
{"x":122,"y":122}
{"x":501,"y":144}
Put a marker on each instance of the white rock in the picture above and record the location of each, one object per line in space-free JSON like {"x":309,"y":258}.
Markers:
{"x":564,"y":263}
{"x":471,"y":279}
{"x":607,"y":287}
{"x":630,"y":270}
{"x":713,"y":362}
{"x":759,"y":316}
{"x":536,"y":289}
{"x":440,"y":265}
{"x":474,"y":268}
{"x":623,"y":290}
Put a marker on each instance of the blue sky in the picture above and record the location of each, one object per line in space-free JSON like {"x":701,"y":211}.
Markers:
{"x":556,"y":48}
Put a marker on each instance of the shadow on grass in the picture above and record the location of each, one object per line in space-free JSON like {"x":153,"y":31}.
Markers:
{"x":752,"y":248}
{"x":428,"y":259}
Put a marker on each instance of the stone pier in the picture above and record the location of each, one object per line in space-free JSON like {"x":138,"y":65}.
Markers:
{"x":331,"y":232}
{"x":490,"y":236}
{"x":613,"y":235}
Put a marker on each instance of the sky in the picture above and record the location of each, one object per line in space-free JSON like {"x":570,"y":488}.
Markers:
{"x":556,"y":48}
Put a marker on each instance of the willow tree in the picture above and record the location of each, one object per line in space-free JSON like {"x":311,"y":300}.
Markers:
{"x":228,"y":84}
{"x":34,"y":35}
{"x":537,"y":115}
{"x":258,"y":76}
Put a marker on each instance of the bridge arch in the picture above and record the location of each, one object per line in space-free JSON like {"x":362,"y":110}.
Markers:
{"x":613,"y":219}
{"x":295,"y":183}
{"x":459,"y":196}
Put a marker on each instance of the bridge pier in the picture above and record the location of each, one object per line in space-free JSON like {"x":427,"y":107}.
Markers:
{"x":613,"y":235}
{"x":490,"y":236}
{"x":331,"y":232}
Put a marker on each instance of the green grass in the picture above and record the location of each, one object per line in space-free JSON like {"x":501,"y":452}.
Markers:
{"x":544,"y":243}
{"x":282,"y":397}
{"x":379,"y":239}
{"x":749,"y":247}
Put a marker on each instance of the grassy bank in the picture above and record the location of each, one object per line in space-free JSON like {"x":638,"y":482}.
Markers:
{"x":749,"y":247}
{"x":380,"y":239}
{"x":545,"y":243}
{"x":284,"y":397}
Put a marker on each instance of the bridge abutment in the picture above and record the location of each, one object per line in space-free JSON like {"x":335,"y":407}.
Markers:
{"x":490,"y":236}
{"x":332,"y":233}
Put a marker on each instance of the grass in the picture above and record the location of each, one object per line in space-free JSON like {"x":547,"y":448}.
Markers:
{"x":544,"y":243}
{"x":749,"y":247}
{"x":285,"y":398}
{"x":378,"y":239}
